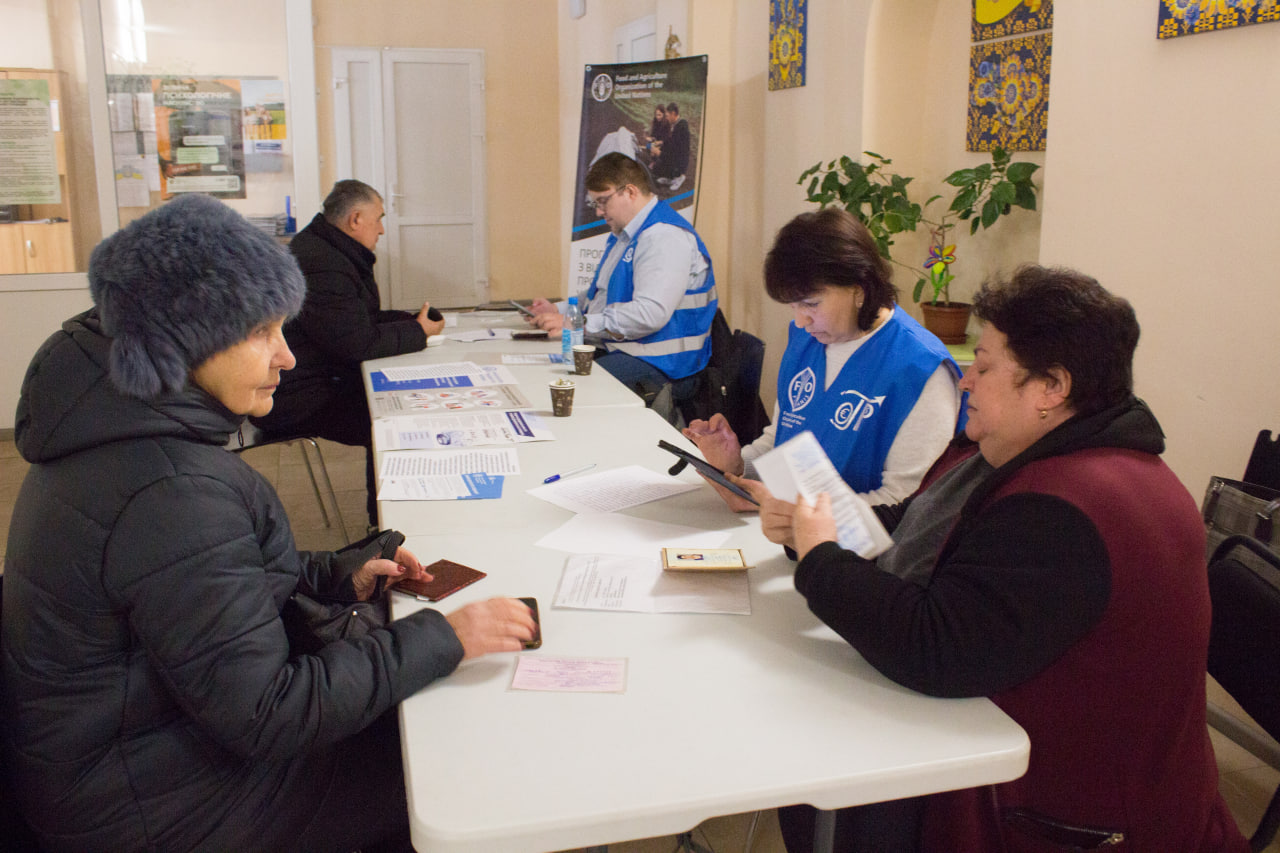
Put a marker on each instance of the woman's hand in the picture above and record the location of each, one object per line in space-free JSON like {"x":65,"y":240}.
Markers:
{"x":717,"y":442}
{"x":542,"y":306}
{"x":403,"y":565}
{"x":775,"y":515}
{"x":431,"y":327}
{"x":813,"y":525}
{"x":496,"y":625}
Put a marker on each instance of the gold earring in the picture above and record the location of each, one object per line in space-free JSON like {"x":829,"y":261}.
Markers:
{"x":1044,"y":414}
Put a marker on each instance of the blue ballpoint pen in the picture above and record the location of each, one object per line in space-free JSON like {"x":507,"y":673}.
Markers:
{"x":555,"y":477}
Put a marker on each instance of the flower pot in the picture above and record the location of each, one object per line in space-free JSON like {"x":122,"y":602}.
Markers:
{"x":947,"y":320}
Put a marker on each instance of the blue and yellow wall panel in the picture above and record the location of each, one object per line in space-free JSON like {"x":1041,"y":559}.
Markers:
{"x":994,"y":19}
{"x":787,"y":44}
{"x":1188,"y":17}
{"x":1009,"y":65}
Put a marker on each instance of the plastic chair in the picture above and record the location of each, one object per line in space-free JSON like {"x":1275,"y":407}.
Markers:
{"x":251,"y":436}
{"x":1244,"y":655}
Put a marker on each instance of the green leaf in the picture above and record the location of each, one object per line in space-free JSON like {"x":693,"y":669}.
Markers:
{"x":876,"y":156}
{"x":1026,"y":197}
{"x":919,"y":290}
{"x":809,"y":171}
{"x":966,"y":198}
{"x":813,"y":185}
{"x":983,"y":172}
{"x":973,"y":226}
{"x":990,"y":213}
{"x":961,"y":177}
{"x":1004,"y":193}
{"x":1019,"y":172}
{"x":1000,"y":157}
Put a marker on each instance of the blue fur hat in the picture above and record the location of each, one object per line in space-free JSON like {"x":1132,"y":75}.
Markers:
{"x":187,"y":280}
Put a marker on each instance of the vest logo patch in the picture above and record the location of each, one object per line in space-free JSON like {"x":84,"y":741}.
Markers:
{"x":802,"y":389}
{"x":851,"y":413}
{"x":628,"y":254}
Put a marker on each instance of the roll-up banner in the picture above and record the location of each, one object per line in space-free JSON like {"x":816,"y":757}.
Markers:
{"x":652,"y":112}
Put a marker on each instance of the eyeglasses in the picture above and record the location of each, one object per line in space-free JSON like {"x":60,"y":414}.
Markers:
{"x":600,"y":202}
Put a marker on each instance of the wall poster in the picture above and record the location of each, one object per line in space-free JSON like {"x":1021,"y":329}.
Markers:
{"x":198,"y":136}
{"x":29,"y":167}
{"x":652,"y":112}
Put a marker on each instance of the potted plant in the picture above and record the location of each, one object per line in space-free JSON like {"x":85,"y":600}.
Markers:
{"x":880,"y":200}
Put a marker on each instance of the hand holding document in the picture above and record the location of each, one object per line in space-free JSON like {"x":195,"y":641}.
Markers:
{"x":801,"y":467}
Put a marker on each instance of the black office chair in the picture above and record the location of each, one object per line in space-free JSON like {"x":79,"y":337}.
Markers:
{"x":1264,"y":462}
{"x":730,"y":383}
{"x":251,"y":436}
{"x":1244,"y":654}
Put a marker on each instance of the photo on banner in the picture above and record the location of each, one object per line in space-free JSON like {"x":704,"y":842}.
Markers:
{"x":627,"y":108}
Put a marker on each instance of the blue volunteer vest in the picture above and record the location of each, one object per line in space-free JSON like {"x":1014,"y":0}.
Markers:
{"x":683,"y":346}
{"x":857,"y":418}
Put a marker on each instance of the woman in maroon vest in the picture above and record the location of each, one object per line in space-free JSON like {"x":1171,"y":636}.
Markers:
{"x":1052,"y":562}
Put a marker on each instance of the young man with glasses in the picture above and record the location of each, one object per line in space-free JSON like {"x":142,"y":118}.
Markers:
{"x":653,"y":298}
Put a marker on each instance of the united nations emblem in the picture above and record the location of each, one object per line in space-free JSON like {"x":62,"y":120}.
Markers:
{"x":602,"y":87}
{"x":801,"y":389}
{"x":628,"y":254}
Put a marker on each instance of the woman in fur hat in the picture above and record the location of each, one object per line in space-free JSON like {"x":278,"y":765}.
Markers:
{"x":151,"y":698}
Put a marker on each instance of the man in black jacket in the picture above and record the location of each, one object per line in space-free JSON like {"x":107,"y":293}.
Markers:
{"x":342,"y":324}
{"x":673,"y":160}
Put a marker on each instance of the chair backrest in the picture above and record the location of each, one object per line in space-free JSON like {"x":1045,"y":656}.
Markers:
{"x":1244,"y":643}
{"x":731,"y":382}
{"x":1264,"y":462}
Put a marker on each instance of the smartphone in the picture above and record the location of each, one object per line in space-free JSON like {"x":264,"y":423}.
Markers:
{"x":705,"y":468}
{"x":521,"y":308}
{"x":536,"y":642}
{"x":433,"y":315}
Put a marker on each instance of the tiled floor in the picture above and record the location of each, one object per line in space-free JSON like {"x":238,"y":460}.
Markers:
{"x":1246,"y":782}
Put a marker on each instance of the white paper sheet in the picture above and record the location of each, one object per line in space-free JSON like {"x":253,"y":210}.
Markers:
{"x":638,"y":584}
{"x":429,"y":432}
{"x":475,"y":374}
{"x":611,"y":490}
{"x":442,"y":401}
{"x":610,"y":533}
{"x":570,"y":675}
{"x":801,"y":466}
{"x":420,"y":463}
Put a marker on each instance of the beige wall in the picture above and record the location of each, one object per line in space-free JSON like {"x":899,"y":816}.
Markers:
{"x":520,"y":43}
{"x":1161,"y":181}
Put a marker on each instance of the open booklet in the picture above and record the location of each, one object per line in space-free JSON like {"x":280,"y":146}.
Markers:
{"x":800,"y":466}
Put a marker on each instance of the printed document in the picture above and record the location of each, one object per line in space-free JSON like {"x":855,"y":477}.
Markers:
{"x":800,"y":466}
{"x":429,"y":432}
{"x":612,"y":490}
{"x":488,"y":398}
{"x":638,"y":584}
{"x":457,"y":374}
{"x":570,"y":675}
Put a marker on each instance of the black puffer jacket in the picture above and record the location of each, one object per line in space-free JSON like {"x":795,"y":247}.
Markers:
{"x":151,"y":700}
{"x":342,"y":322}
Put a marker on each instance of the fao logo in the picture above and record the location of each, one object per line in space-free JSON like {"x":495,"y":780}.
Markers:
{"x":801,"y":389}
{"x":628,"y":254}
{"x":602,"y":87}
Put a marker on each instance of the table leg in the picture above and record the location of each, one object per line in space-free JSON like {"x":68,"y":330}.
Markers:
{"x":824,"y":831}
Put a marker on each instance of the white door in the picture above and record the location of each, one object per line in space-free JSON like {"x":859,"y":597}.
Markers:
{"x":417,"y":133}
{"x":636,"y":41}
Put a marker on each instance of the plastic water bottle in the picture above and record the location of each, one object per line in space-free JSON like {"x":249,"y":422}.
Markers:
{"x":574,"y":325}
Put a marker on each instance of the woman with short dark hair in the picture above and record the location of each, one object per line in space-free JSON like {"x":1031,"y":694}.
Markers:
{"x":1055,"y":564}
{"x":874,"y":386}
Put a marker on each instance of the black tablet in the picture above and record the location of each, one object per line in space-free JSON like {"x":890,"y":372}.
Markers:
{"x":707,"y":470}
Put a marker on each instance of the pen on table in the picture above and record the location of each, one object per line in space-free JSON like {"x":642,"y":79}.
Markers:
{"x":555,"y":477}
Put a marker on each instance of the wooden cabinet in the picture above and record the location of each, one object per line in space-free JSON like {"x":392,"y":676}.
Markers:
{"x":36,"y":247}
